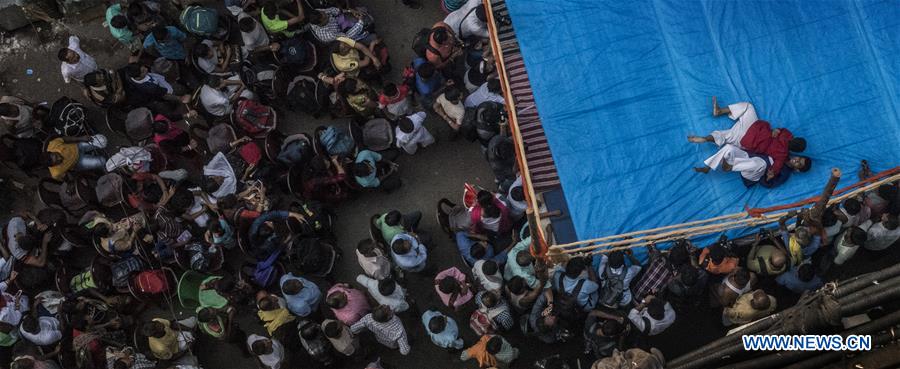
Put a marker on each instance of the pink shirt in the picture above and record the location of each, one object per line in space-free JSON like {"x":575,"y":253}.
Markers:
{"x":356,"y":307}
{"x":461,"y":278}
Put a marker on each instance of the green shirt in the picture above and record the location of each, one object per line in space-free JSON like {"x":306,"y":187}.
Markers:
{"x":124,"y":35}
{"x":388,"y":232}
{"x":209,"y":297}
{"x":276,"y":25}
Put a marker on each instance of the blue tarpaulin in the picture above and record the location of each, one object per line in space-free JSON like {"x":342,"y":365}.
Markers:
{"x":619,"y":85}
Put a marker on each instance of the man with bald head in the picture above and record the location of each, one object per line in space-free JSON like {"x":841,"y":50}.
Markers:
{"x":767,"y":259}
{"x":749,"y":307}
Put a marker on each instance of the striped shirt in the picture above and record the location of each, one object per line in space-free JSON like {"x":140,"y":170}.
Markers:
{"x":391,"y":333}
{"x":500,"y":314}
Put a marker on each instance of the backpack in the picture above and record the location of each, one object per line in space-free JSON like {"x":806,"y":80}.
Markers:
{"x":566,"y":304}
{"x":488,"y":116}
{"x":67,"y":117}
{"x":420,"y":44}
{"x":123,"y":268}
{"x":260,"y":77}
{"x":152,"y":282}
{"x":307,"y":94}
{"x":200,"y":20}
{"x":612,"y":288}
{"x":481,"y":323}
{"x":337,"y":141}
{"x":254,"y":117}
{"x":296,"y":152}
{"x":293,"y":51}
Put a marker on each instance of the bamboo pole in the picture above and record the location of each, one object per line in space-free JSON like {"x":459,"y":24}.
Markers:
{"x":586,"y":245}
{"x":518,"y":142}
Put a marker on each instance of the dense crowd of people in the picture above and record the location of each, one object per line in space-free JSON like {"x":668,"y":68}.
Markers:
{"x":206,"y":206}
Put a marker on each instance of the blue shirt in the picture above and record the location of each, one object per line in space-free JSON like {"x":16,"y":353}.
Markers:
{"x":171,"y":48}
{"x":449,"y":337}
{"x":464,"y":244}
{"x":587,"y":297}
{"x":371,"y":158}
{"x":414,"y":260}
{"x":270,"y":244}
{"x":429,"y":86}
{"x":304,"y":302}
{"x":791,"y":281}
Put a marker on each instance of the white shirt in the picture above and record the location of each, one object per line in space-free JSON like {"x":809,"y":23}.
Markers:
{"x":48,"y":334}
{"x":516,"y":208}
{"x":208,"y":65}
{"x":396,"y":300}
{"x":844,"y":248}
{"x":464,"y":25}
{"x":489,"y":283}
{"x":253,"y":39}
{"x":272,"y":360}
{"x":656,"y":326}
{"x":156,"y":79}
{"x":455,"y":111}
{"x":481,"y":95}
{"x":880,"y":237}
{"x":215,"y":101}
{"x":411,"y":141}
{"x":85,"y":65}
{"x":378,"y":266}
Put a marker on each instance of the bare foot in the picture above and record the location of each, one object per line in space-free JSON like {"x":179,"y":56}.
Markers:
{"x":696,"y":139}
{"x":703,"y":170}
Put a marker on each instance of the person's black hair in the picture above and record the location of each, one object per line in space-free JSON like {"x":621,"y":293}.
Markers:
{"x":485,"y":198}
{"x":151,"y":329}
{"x":348,"y":86}
{"x":542,"y":325}
{"x":857,"y":235}
{"x":134,"y":10}
{"x":94,"y":79}
{"x":517,"y":193}
{"x":612,"y":327}
{"x":361,"y":169}
{"x":493,"y":85}
{"x":399,"y":247}
{"x":524,"y":258}
{"x":292,"y":286}
{"x":160,"y":33}
{"x":393,"y":218}
{"x":448,"y":285}
{"x":490,"y":299}
{"x":118,"y":21}
{"x":23,"y":363}
{"x":852,"y":206}
{"x":28,"y":242}
{"x":887,"y":192}
{"x":477,"y":250}
{"x":516,"y":285}
{"x":616,"y":259}
{"x":717,"y":253}
{"x":688,"y":275}
{"x":332,"y":329}
{"x":494,"y":344}
{"x":390,"y":89}
{"x":574,"y":268}
{"x":30,"y":324}
{"x":452,"y":93}
{"x":270,"y":9}
{"x":481,"y":14}
{"x":334,"y":301}
{"x":405,"y":125}
{"x":491,"y":211}
{"x":316,"y":17}
{"x":160,"y":126}
{"x":213,"y":81}
{"x":797,"y":144}
{"x":381,"y":313}
{"x":7,"y":109}
{"x":892,"y":222}
{"x":181,"y":200}
{"x":226,"y":284}
{"x":201,"y":50}
{"x":437,"y":324}
{"x":209,"y":185}
{"x":206,"y":315}
{"x":828,"y":218}
{"x":440,"y":35}
{"x":742,"y":277}
{"x":365,"y":246}
{"x":247,"y":24}
{"x":426,"y":70}
{"x":490,"y":267}
{"x":807,"y":163}
{"x":258,"y":348}
{"x":102,"y":230}
{"x":656,"y":309}
{"x":62,"y":54}
{"x":505,"y":149}
{"x":214,"y":226}
{"x":387,"y":286}
{"x":227,"y":202}
{"x":133,"y":70}
{"x":806,"y":272}
{"x":308,"y":330}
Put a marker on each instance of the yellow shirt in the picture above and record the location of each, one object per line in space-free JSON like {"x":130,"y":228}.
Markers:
{"x":349,"y":63}
{"x":69,"y":153}
{"x":166,"y":347}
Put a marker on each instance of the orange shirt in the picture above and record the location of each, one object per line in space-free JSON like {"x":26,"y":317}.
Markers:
{"x":726,"y":266}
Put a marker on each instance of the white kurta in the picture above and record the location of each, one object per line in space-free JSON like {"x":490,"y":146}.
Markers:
{"x":744,"y":115}
{"x":751,"y":168}
{"x":419,"y":136}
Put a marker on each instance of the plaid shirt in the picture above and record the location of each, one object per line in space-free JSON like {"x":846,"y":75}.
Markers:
{"x":332,"y":30}
{"x":500,"y":314}
{"x":391,"y":334}
{"x":655,"y":279}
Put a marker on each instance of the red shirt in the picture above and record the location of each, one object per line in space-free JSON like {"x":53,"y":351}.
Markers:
{"x":759,"y":140}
